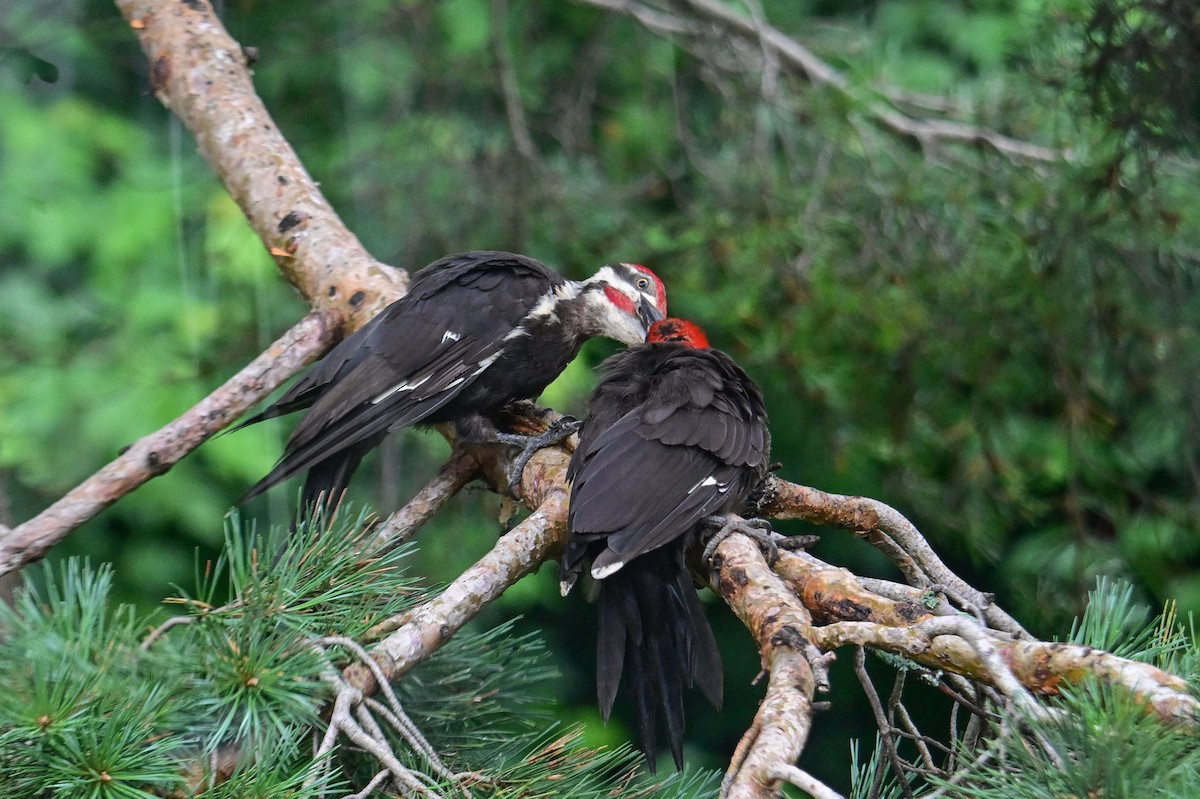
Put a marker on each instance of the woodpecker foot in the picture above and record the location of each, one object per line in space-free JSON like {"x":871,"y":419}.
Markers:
{"x":757,"y":529}
{"x":556,"y":431}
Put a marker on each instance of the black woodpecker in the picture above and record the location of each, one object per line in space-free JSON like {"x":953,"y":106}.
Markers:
{"x":475,"y":331}
{"x":676,"y":432}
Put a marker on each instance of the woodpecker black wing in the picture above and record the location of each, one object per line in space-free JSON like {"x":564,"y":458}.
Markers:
{"x":694,"y":445}
{"x":408,"y":363}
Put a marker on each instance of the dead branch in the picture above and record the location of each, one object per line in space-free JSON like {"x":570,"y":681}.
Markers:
{"x":157,"y":452}
{"x":725,"y":24}
{"x":782,"y":628}
{"x":449,"y":480}
{"x":200,"y":73}
{"x":881,"y":525}
{"x":420,"y":632}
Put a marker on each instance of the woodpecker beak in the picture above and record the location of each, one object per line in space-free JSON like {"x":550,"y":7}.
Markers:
{"x":648,"y":313}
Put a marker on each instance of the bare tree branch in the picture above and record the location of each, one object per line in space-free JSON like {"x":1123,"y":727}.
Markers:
{"x":729,"y":24}
{"x":200,"y":73}
{"x":420,"y":632}
{"x":450,"y":479}
{"x":871,"y":519}
{"x":157,"y":452}
{"x":782,"y":628}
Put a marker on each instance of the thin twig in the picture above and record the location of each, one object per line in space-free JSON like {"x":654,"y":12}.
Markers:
{"x":375,"y":782}
{"x":402,"y":723}
{"x":455,"y":473}
{"x":523,"y":549}
{"x":820,"y":72}
{"x":510,"y":87}
{"x":154,"y":635}
{"x":896,"y":709}
{"x":804,"y":781}
{"x":881,"y":722}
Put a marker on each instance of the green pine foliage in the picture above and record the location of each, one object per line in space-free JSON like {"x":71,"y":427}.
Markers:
{"x":1102,"y":743}
{"x":1098,"y":741}
{"x":99,"y":702}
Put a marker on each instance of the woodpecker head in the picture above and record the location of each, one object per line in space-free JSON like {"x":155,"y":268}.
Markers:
{"x":677,"y":331}
{"x":624,"y":300}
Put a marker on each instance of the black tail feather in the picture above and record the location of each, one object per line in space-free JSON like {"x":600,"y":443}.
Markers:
{"x":326,"y":480}
{"x":653,"y":630}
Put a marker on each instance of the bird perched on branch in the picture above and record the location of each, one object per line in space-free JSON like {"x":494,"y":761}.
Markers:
{"x":676,"y":433}
{"x":475,"y":331}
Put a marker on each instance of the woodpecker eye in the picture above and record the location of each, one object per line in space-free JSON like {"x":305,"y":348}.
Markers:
{"x":642,"y":283}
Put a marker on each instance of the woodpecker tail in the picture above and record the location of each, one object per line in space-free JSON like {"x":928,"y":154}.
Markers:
{"x":652,"y":627}
{"x":326,"y":480}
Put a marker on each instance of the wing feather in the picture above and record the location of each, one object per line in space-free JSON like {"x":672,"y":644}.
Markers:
{"x":412,"y":359}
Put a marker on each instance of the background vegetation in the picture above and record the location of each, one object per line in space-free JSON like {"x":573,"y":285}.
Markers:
{"x":1004,"y":350}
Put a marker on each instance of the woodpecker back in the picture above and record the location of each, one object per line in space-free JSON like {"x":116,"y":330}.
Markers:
{"x":675,"y":432}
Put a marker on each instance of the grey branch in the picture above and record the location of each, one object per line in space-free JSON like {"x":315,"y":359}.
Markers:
{"x":157,"y":452}
{"x":450,"y":479}
{"x":199,"y":72}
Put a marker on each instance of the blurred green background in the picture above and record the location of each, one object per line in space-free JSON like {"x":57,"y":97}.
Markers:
{"x":1005,"y":351}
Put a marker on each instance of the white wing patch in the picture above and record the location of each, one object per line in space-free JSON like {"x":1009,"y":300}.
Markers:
{"x":450,"y":335}
{"x":707,"y":481}
{"x":488,"y":361}
{"x":401,"y":387}
{"x":415,"y":384}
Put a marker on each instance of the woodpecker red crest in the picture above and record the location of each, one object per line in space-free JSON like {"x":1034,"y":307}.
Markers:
{"x":677,"y":331}
{"x":675,"y":432}
{"x":475,"y":331}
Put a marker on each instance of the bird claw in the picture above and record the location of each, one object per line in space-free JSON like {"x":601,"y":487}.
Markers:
{"x":759,"y":530}
{"x":556,"y":431}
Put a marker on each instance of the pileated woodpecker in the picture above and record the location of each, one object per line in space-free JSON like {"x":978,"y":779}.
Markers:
{"x":475,"y":331}
{"x":675,"y":432}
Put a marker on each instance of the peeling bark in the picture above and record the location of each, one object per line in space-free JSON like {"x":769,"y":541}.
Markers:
{"x":781,"y":627}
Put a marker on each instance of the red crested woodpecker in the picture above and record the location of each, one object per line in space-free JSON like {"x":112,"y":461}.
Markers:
{"x":475,"y":331}
{"x":676,"y":432}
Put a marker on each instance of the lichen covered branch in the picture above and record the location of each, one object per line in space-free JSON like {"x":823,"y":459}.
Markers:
{"x":782,"y":628}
